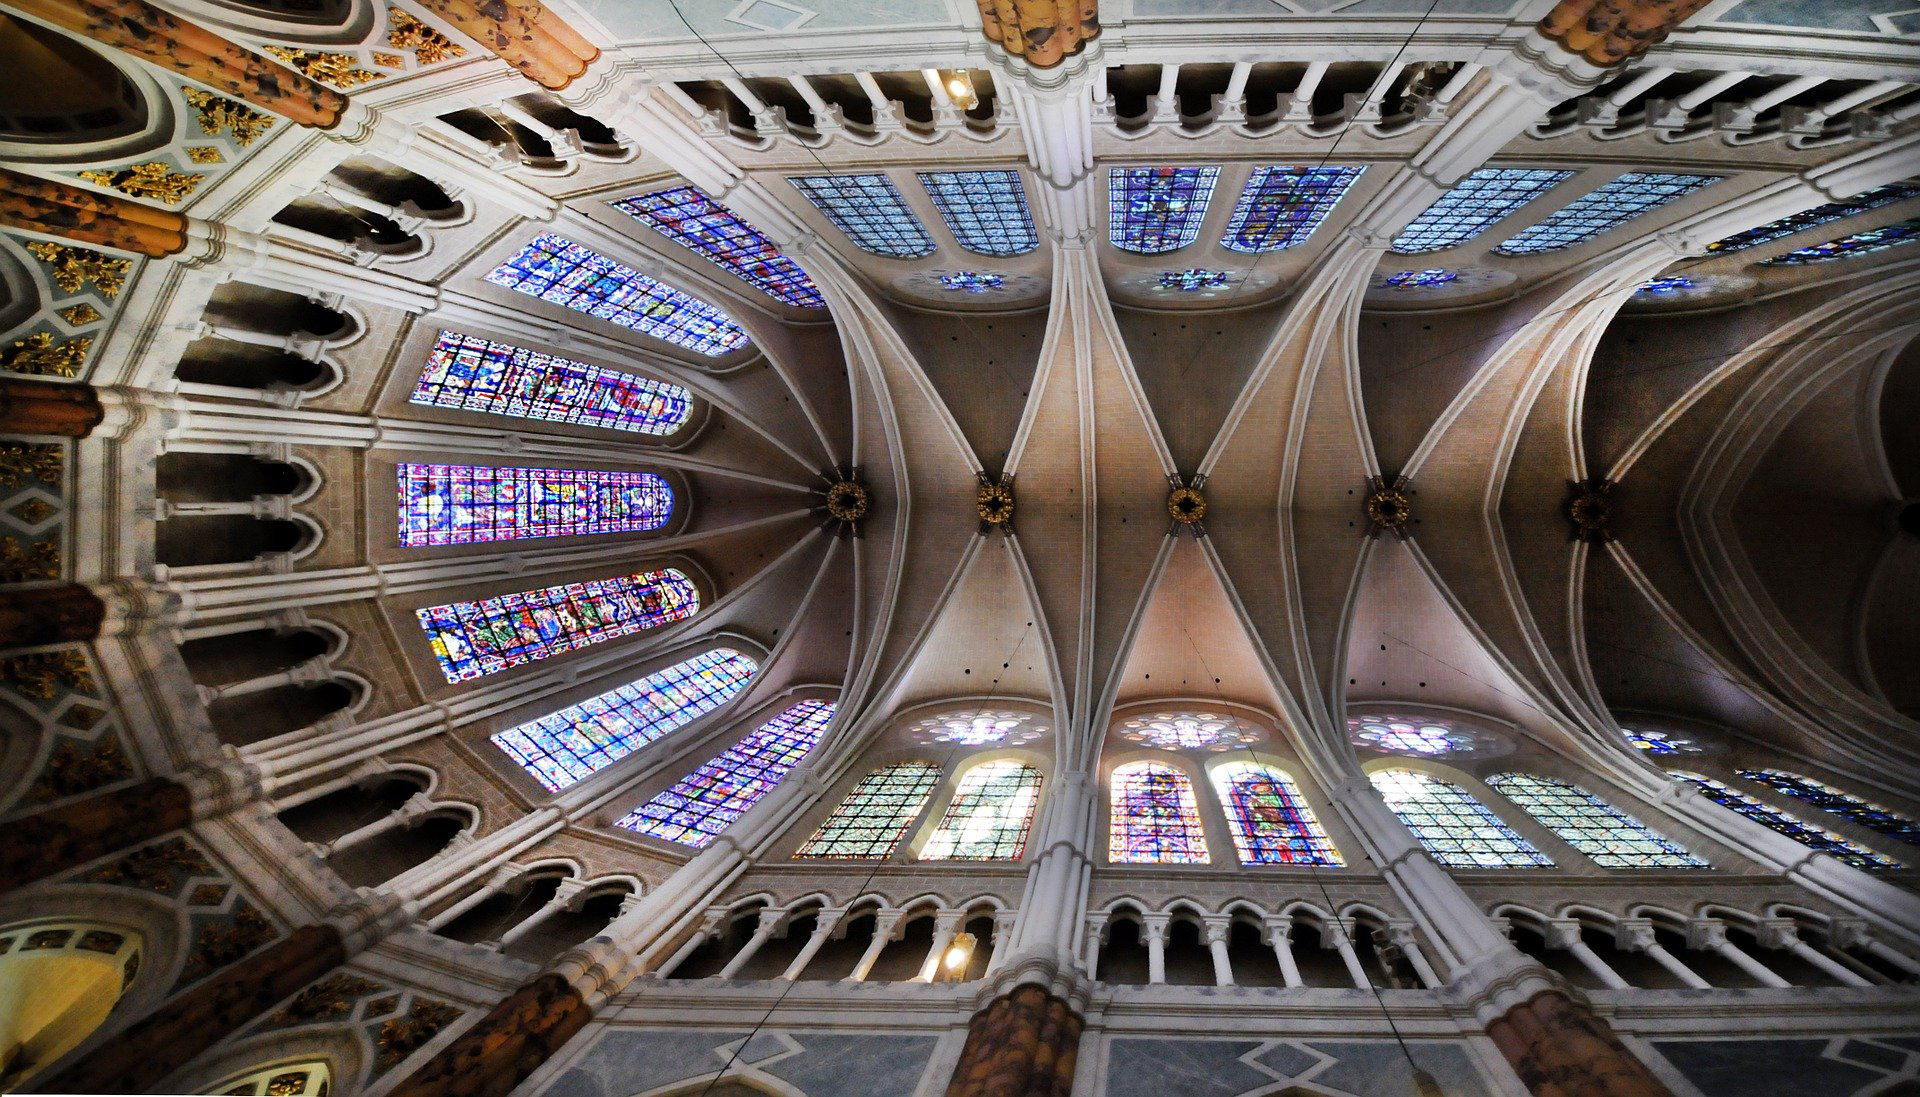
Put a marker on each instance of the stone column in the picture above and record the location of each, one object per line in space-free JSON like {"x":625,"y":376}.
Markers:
{"x":1023,"y":1044}
{"x":1636,"y":935}
{"x":46,"y":407}
{"x":1280,"y":934}
{"x":563,"y":897}
{"x":501,"y":879}
{"x":1711,"y":936}
{"x":1217,"y":931}
{"x":945,"y":928}
{"x":1785,"y":933}
{"x":1337,"y":934}
{"x":762,"y":932}
{"x":49,"y":615}
{"x":1560,"y":1049}
{"x":824,"y":923}
{"x":884,"y":923}
{"x":1607,"y":32}
{"x":1566,"y":935}
{"x":1154,"y":930}
{"x":196,"y":1019}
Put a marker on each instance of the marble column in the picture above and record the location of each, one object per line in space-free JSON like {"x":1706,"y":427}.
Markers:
{"x":49,"y":615}
{"x":516,"y":1036}
{"x":524,"y":34}
{"x":51,"y":841}
{"x":1560,"y":1049}
{"x":1608,"y":32}
{"x":1023,"y":1044}
{"x":46,"y":407}
{"x":43,"y":205}
{"x":1042,"y":32}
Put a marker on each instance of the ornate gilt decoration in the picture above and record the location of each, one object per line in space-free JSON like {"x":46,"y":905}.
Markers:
{"x":81,"y":315}
{"x":403,"y":1035}
{"x":1389,"y":506}
{"x":41,"y":674}
{"x":845,"y":501}
{"x":75,"y":768}
{"x":205,"y":154}
{"x":1590,"y":509}
{"x":159,"y":868}
{"x":152,"y":179}
{"x":74,"y":268}
{"x":216,"y":112}
{"x":28,"y":563}
{"x":207,"y":895}
{"x":221,"y":942}
{"x":331,"y":997}
{"x":994,"y":503}
{"x":22,"y":462}
{"x":39,"y":356}
{"x":1186,"y":506}
{"x":428,"y":46}
{"x":342,"y":70}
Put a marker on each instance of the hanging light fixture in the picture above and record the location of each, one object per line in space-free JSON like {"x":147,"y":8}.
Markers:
{"x":953,"y":962}
{"x":960,"y":89}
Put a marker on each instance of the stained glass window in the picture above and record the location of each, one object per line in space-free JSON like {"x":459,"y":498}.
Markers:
{"x":868,"y":824}
{"x":1409,"y":735}
{"x":1604,"y":208}
{"x":990,"y":815}
{"x":1460,"y":831}
{"x":1660,"y":742}
{"x":1656,"y":286}
{"x":1408,"y":279}
{"x":971,"y":281}
{"x":476,"y":638}
{"x":556,"y":269}
{"x":1827,"y":798}
{"x":1270,"y":820}
{"x":1155,"y":817}
{"x":1157,"y":210}
{"x":978,"y":727}
{"x":694,"y":221}
{"x":1474,"y":205}
{"x":1608,"y":837}
{"x":1859,"y":243}
{"x":1189,"y":731}
{"x":1817,"y":838}
{"x":581,"y":739}
{"x":870,"y":211}
{"x":707,"y":801}
{"x":1281,"y":206}
{"x":480,"y":375}
{"x":1818,"y":215}
{"x":467,"y":504}
{"x":1193,"y":279}
{"x":985,"y":210}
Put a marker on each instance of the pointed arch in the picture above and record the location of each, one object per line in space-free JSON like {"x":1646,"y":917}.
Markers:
{"x":1460,"y":831}
{"x":1155,"y":818}
{"x":1601,"y":832}
{"x":868,"y":824}
{"x":1852,"y":808}
{"x":1813,"y":837}
{"x":1269,"y":818}
{"x":990,"y":815}
{"x":704,"y":803}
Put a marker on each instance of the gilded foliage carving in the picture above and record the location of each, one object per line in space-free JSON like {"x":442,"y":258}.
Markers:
{"x":429,"y":46}
{"x":331,"y":997}
{"x":215,"y":113}
{"x":342,"y":70}
{"x":81,"y":315}
{"x":42,"y":674}
{"x":39,"y":356}
{"x":205,"y":154}
{"x":152,"y":179}
{"x":160,"y":868}
{"x":403,"y":1035}
{"x":74,"y":269}
{"x":75,"y":768}
{"x":22,"y":462}
{"x":221,"y":942}
{"x":28,"y":563}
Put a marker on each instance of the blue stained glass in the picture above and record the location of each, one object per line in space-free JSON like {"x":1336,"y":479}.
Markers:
{"x":581,"y":739}
{"x":1270,"y":820}
{"x":1193,"y":279}
{"x":870,"y":211}
{"x":1408,"y":279}
{"x":1816,"y":838}
{"x":707,"y":801}
{"x":971,"y":281}
{"x":1851,"y":808}
{"x":1474,"y":205}
{"x":1818,"y":215}
{"x":985,"y":210}
{"x":1658,"y":286}
{"x":1602,"y":209}
{"x":1859,"y":243}
{"x":1156,"y":210}
{"x":556,"y":269}
{"x":1281,"y":206}
{"x":1155,"y":817}
{"x":471,"y":639}
{"x":480,"y":375}
{"x":1460,"y":831}
{"x":468,"y":504}
{"x":692,"y":220}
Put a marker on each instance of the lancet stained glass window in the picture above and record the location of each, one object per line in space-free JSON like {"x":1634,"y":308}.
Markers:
{"x":988,"y":819}
{"x":1156,"y":210}
{"x":1849,"y":807}
{"x":707,"y":801}
{"x":1460,"y":831}
{"x":1155,"y":817}
{"x":554,"y":268}
{"x":1281,"y":206}
{"x":475,"y":374}
{"x":471,"y":639}
{"x":1604,"y":208}
{"x":1813,"y":837}
{"x":1818,"y":215}
{"x":985,"y":210}
{"x":468,"y":504}
{"x":1474,"y":205}
{"x":694,"y":221}
{"x":581,"y":739}
{"x":868,"y":824}
{"x":870,"y":211}
{"x":1607,"y":836}
{"x":1859,"y":243}
{"x":1270,"y":820}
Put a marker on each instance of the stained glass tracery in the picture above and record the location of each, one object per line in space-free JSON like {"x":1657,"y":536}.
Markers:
{"x":1605,"y":208}
{"x":1474,"y":205}
{"x":971,"y":281}
{"x":556,"y":269}
{"x":704,"y":803}
{"x":869,"y":823}
{"x":1152,"y":211}
{"x":695,"y":221}
{"x":471,"y":639}
{"x":562,"y":747}
{"x":1410,"y":735}
{"x":1460,"y":831}
{"x":1193,"y":279}
{"x":476,"y":374}
{"x":1654,"y":287}
{"x":978,"y":727}
{"x":1189,"y":731}
{"x":1810,"y":218}
{"x":989,"y":816}
{"x":1878,"y":819}
{"x":1281,"y":206}
{"x":1270,"y":820}
{"x":870,"y":211}
{"x":1813,"y":837}
{"x":985,"y":210}
{"x":469,"y":504}
{"x":1155,"y":817}
{"x":1859,"y":243}
{"x":1661,"y":742}
{"x":1606,"y":835}
{"x":1411,"y":279}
